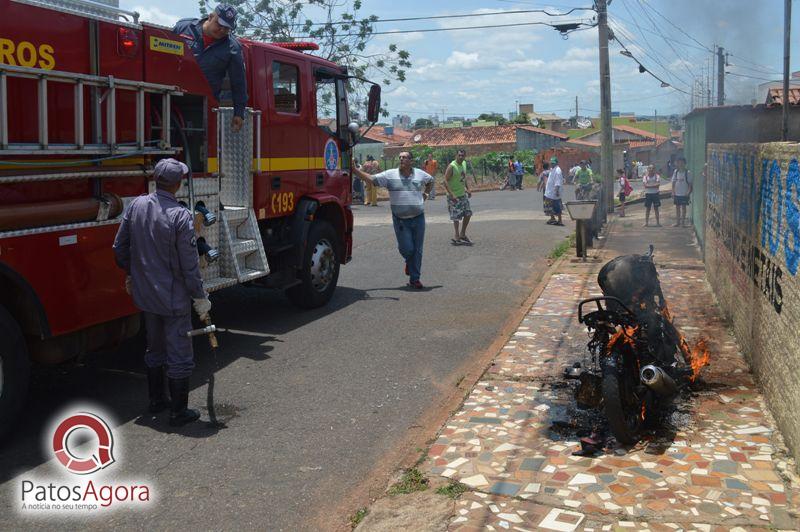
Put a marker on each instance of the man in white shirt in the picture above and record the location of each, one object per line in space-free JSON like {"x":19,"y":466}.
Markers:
{"x":552,"y":192}
{"x":408,"y":189}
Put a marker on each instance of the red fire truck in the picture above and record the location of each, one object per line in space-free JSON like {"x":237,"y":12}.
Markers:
{"x":90,"y":98}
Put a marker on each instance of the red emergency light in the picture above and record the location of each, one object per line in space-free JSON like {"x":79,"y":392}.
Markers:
{"x":127,"y":42}
{"x":298,"y":46}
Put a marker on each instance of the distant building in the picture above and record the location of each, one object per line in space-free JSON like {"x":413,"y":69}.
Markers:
{"x":402,"y":121}
{"x":480,"y":140}
{"x":526,"y":108}
{"x":764,"y":88}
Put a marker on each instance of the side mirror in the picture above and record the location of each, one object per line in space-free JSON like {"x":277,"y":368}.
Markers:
{"x":355,"y":133}
{"x":374,"y":104}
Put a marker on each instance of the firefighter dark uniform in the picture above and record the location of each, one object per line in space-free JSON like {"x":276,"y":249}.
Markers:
{"x":221,"y":57}
{"x":156,"y":246}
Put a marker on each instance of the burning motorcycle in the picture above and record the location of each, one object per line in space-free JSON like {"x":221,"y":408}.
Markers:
{"x":639,"y":360}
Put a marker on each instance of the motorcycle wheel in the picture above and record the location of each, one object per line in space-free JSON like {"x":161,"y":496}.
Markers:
{"x":623,"y":409}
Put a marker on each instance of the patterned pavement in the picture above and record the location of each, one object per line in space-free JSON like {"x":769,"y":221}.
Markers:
{"x":718,"y":463}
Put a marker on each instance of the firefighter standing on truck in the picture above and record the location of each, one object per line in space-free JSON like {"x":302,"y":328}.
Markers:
{"x":218,"y":53}
{"x":156,"y":246}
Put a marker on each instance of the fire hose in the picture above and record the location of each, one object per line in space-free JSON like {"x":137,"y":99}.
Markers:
{"x":210,"y":330}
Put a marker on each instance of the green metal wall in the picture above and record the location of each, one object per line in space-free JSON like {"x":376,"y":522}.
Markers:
{"x":694,"y":149}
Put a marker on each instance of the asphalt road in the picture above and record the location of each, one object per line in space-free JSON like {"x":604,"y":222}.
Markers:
{"x":312,"y":400}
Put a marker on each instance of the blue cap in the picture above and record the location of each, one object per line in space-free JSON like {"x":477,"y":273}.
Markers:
{"x":169,"y":171}
{"x":227,"y":15}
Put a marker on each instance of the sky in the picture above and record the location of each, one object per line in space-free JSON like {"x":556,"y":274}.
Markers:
{"x":468,"y":72}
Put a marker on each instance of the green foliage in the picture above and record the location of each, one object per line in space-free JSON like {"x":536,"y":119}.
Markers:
{"x":453,"y":490}
{"x":359,"y":516}
{"x":412,"y":480}
{"x":521,"y":118}
{"x":492,"y":164}
{"x":493,"y":117}
{"x":339,"y":28}
{"x":563,"y":247}
{"x":421,"y":123}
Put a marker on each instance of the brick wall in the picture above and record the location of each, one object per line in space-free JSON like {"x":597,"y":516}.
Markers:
{"x":752,"y":234}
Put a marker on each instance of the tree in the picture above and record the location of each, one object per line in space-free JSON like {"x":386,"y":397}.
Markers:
{"x":421,"y":123}
{"x":522,"y":118}
{"x":493,"y":117}
{"x":337,"y":26}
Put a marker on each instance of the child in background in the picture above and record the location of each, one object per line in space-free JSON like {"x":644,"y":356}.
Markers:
{"x":625,"y":190}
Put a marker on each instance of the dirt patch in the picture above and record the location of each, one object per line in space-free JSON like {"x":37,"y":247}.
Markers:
{"x":423,"y":511}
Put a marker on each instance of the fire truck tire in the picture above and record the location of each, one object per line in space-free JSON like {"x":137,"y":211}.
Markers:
{"x":319,"y":272}
{"x":14,"y":371}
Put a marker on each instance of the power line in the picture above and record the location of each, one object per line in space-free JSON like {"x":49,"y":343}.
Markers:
{"x":564,"y":28}
{"x":658,"y":30}
{"x":751,"y":77}
{"x":657,"y":12}
{"x":437,"y":17}
{"x":644,"y":69}
{"x":628,"y":35}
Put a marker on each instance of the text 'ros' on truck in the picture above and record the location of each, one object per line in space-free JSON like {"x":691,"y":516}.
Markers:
{"x":90,"y":99}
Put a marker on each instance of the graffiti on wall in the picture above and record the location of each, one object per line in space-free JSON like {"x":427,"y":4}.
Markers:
{"x":753,"y":209}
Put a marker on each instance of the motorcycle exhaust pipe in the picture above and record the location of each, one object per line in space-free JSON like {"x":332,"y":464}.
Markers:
{"x":658,"y":380}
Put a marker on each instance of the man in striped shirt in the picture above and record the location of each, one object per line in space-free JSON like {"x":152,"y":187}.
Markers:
{"x":408,"y":189}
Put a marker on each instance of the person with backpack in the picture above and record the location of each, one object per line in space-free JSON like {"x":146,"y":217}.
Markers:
{"x":681,"y":191}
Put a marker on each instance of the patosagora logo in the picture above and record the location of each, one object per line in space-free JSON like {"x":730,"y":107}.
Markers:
{"x":82,"y":443}
{"x":84,"y":466}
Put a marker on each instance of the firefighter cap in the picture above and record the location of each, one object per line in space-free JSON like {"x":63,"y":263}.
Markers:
{"x":169,"y":171}
{"x":227,"y":16}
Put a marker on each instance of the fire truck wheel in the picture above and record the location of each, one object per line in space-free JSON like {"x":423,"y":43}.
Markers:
{"x":14,"y":371}
{"x":320,"y":270}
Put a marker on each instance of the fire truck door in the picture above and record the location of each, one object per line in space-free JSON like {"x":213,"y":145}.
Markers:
{"x":288,"y":154}
{"x":326,"y":138}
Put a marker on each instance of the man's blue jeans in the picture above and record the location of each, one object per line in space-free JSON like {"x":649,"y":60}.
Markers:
{"x":410,"y":234}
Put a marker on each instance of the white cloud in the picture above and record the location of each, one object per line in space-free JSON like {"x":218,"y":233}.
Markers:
{"x":462,"y":60}
{"x":156,"y":16}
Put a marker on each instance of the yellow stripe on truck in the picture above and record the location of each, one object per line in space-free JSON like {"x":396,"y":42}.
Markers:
{"x":278,"y":164}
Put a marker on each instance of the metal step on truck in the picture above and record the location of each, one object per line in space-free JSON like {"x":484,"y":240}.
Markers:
{"x":90,"y":99}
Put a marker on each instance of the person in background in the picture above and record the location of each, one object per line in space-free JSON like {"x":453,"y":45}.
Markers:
{"x":625,"y":190}
{"x":371,"y":193}
{"x":358,"y":189}
{"x":652,"y":187}
{"x":552,"y":192}
{"x":583,"y":177}
{"x":542,"y":184}
{"x":431,"y":166}
{"x":681,"y":190}
{"x":519,"y":173}
{"x":458,"y":194}
{"x":511,"y":178}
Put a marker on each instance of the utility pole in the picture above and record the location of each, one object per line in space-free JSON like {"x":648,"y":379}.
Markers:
{"x":708,"y":83}
{"x":576,"y":110}
{"x":606,"y":140}
{"x":655,"y":127}
{"x":787,"y":30}
{"x":720,"y":76}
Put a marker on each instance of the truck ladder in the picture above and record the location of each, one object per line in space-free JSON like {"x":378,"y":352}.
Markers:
{"x":241,"y":247}
{"x":108,"y":85}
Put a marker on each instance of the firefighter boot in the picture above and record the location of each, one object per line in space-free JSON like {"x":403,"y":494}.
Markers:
{"x":179,"y":414}
{"x":158,"y":397}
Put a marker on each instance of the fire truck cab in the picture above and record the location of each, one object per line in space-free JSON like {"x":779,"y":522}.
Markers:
{"x":90,"y":99}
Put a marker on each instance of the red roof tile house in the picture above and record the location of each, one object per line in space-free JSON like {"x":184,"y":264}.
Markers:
{"x":481,"y":140}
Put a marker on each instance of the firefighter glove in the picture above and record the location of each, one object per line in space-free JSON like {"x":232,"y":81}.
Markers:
{"x":202,"y":305}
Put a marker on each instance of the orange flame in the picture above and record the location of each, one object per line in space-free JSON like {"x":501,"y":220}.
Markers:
{"x":624,"y":335}
{"x":699,"y":357}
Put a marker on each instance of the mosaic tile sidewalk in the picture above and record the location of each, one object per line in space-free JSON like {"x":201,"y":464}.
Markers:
{"x":721,"y":467}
